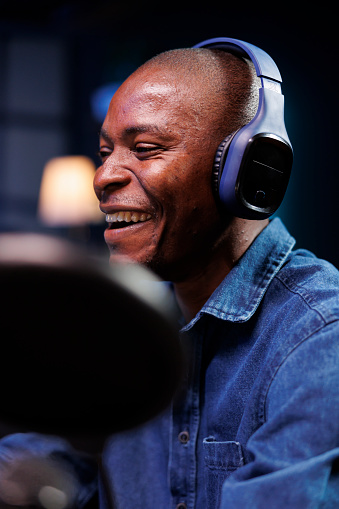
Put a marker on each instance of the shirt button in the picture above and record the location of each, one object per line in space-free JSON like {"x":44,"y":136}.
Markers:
{"x":183,"y":438}
{"x":181,"y":506}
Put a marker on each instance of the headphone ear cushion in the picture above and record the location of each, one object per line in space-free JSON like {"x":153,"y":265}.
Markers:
{"x":219,"y":161}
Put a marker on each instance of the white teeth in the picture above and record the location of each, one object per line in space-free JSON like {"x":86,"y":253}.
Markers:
{"x":127,"y":217}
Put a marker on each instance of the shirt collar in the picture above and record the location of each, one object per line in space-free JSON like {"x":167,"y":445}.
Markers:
{"x":241,"y":292}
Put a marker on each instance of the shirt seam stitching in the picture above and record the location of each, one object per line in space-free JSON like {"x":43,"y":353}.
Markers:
{"x":298,"y":290}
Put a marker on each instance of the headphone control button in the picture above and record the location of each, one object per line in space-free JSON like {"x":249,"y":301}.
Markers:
{"x":260,"y":198}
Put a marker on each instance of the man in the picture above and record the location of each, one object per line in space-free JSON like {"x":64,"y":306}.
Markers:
{"x":157,"y":145}
{"x":255,"y":422}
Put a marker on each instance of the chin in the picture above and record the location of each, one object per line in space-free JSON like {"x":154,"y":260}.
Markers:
{"x":156,"y":263}
{"x":120,"y":258}
{"x":117,"y":256}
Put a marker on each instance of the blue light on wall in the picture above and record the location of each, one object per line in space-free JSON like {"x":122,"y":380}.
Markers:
{"x":101,"y":98}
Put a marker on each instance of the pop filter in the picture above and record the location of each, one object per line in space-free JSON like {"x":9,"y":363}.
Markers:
{"x":85,"y":350}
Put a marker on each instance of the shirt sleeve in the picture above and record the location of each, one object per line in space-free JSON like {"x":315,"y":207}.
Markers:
{"x":46,"y":471}
{"x":296,"y":450}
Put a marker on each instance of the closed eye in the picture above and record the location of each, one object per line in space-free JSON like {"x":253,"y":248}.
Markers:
{"x":103,"y":154}
{"x":144,"y":150}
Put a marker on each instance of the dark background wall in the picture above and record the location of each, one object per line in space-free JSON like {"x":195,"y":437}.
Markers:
{"x":54,"y":57}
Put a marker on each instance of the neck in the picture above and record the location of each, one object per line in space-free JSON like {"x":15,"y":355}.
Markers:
{"x":196,"y":288}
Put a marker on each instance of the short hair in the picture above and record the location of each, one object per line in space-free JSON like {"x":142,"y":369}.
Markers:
{"x":227,"y":84}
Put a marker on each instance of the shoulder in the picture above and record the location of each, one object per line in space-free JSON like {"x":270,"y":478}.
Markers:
{"x":305,"y":317}
{"x":303,"y":297}
{"x":314,"y":281}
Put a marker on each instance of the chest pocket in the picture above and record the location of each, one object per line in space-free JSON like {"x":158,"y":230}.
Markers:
{"x":221,"y":459}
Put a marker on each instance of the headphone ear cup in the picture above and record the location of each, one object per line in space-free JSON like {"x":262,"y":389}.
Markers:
{"x":219,"y":161}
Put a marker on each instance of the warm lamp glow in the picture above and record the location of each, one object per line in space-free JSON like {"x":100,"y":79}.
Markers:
{"x":67,"y":197}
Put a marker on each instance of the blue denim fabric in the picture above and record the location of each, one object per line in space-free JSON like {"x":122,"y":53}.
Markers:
{"x":260,"y":401}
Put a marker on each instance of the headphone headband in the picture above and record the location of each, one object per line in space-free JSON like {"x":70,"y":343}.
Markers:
{"x":264,"y":65}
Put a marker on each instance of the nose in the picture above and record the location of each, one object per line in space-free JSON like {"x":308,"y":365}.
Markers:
{"x":110,"y":177}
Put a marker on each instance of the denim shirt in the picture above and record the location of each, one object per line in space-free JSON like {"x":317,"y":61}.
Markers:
{"x":256,"y":422}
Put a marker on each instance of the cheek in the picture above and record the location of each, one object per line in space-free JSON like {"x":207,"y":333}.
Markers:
{"x":185,"y":182}
{"x":191,"y":216}
{"x":182,"y":189}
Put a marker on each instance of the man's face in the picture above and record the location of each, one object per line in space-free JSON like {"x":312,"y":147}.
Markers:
{"x":154,"y":183}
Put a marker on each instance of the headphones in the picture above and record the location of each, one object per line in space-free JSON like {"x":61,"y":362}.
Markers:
{"x":252,"y":165}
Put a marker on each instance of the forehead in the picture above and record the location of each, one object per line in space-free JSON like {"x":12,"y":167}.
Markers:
{"x":151,"y":97}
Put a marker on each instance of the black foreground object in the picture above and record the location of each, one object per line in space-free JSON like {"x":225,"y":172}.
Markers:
{"x":85,"y":350}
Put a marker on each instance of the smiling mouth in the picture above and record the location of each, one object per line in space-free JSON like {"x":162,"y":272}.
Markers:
{"x":124,"y":218}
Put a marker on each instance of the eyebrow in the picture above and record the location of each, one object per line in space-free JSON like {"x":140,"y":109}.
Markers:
{"x":143,"y":129}
{"x":135,"y":129}
{"x":103,"y":133}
